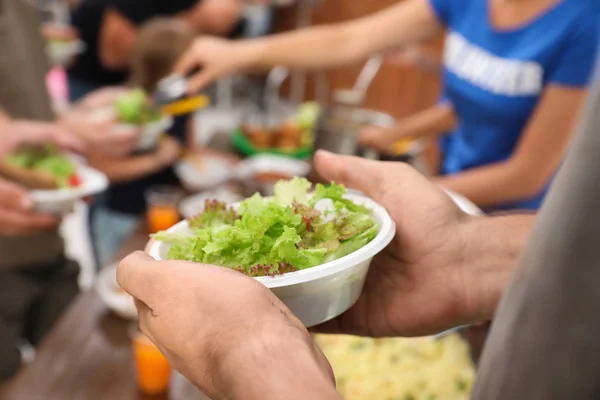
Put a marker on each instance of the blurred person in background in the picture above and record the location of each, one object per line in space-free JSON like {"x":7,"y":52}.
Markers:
{"x":158,"y":46}
{"x":110,"y":29}
{"x":510,"y":106}
{"x":37,"y":281}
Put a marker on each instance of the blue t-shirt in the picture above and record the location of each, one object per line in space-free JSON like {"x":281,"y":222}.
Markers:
{"x":495,"y":78}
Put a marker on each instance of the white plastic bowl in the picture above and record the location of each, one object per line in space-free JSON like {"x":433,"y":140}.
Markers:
{"x":62,"y":201}
{"x":321,"y":293}
{"x":215,"y":171}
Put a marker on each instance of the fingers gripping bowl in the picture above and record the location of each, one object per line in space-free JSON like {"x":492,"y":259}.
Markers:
{"x":320,"y":264}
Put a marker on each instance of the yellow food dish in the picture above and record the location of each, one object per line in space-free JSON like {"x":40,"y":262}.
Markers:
{"x":400,"y":369}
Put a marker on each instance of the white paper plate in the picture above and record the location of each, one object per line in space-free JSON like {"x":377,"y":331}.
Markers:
{"x":112,"y":296}
{"x":210,"y":172}
{"x":62,"y":201}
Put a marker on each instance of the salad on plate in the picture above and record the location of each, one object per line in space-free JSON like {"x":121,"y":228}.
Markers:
{"x":291,"y":231}
{"x":41,"y":167}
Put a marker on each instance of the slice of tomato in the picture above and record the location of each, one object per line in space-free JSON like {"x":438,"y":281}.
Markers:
{"x":75,"y":180}
{"x":307,"y":222}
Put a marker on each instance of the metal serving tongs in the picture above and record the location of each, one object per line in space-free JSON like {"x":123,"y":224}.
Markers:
{"x":347,"y":102}
{"x":171,"y":96}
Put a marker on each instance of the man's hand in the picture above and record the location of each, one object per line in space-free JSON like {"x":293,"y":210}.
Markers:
{"x":432,"y":276}
{"x":16,"y":133}
{"x":16,"y":213}
{"x":98,"y":129}
{"x":222,"y":329}
{"x":378,"y":138}
{"x":17,"y":217}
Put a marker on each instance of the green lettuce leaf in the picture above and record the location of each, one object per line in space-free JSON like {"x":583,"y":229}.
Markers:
{"x":270,"y":236}
{"x":46,"y":159}
{"x":133,"y":107}
{"x":351,"y":245}
{"x":293,"y":191}
{"x":215,"y":213}
{"x":336,"y":194}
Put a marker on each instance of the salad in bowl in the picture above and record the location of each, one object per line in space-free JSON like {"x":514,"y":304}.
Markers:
{"x":134,"y":109}
{"x":313,"y":250}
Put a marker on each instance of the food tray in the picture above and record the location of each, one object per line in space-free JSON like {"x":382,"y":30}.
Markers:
{"x":243,"y":145}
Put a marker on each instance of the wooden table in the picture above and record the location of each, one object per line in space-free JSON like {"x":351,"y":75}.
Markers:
{"x":88,"y":357}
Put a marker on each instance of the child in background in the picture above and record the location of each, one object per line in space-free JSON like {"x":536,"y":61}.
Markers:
{"x":160,"y":43}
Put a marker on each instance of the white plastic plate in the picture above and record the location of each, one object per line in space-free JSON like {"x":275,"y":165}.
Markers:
{"x":62,"y":201}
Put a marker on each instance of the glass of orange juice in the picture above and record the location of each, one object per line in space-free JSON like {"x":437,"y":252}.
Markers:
{"x":153,"y":370}
{"x":162,"y":207}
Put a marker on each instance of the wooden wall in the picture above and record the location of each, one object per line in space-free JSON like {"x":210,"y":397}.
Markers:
{"x":397,"y":90}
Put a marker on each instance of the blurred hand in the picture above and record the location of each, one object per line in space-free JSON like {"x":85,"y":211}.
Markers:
{"x":377,"y":138}
{"x":214,"y":58}
{"x":213,"y":323}
{"x":169,"y":151}
{"x":16,"y":133}
{"x":104,"y":136}
{"x":17,"y":217}
{"x":93,"y":120}
{"x":100,"y":98}
{"x":416,"y":286}
{"x":59,"y":32}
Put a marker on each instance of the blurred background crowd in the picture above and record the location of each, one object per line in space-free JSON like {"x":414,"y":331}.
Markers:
{"x":486,"y":108}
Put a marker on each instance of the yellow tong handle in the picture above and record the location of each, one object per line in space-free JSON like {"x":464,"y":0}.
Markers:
{"x":186,"y":106}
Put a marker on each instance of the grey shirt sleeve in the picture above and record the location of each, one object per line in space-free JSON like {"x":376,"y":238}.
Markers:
{"x":23,"y":94}
{"x":545,"y":341}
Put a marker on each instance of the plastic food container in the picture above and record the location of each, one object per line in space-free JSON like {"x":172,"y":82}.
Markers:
{"x":245,"y":146}
{"x":321,"y":293}
{"x":62,"y":201}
